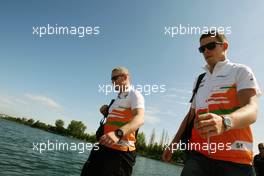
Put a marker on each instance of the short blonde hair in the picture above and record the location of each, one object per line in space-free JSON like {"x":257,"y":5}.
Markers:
{"x":121,"y":69}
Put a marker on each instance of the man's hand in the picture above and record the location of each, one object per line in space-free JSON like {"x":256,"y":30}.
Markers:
{"x":209,"y":124}
{"x":104,"y":109}
{"x":108,"y":139}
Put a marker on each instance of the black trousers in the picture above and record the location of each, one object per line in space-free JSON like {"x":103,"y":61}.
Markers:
{"x":109,"y":162}
{"x":199,"y":165}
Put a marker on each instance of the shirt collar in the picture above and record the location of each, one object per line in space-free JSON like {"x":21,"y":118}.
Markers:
{"x":218,"y":65}
{"x":124,"y":94}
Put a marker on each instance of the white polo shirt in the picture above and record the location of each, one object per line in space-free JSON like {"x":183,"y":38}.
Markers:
{"x":225,"y":76}
{"x":128,"y":99}
{"x":217,"y":94}
{"x":120,"y":113}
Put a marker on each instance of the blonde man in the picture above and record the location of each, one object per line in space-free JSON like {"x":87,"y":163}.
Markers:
{"x":116,"y":154}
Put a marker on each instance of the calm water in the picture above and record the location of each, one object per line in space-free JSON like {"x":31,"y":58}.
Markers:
{"x":17,"y":156}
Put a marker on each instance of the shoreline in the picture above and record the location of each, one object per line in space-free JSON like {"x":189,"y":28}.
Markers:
{"x":90,"y":138}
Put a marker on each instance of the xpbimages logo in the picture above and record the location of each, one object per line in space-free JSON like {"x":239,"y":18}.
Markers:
{"x":146,"y":89}
{"x":210,"y":147}
{"x":176,"y":30}
{"x":79,"y":31}
{"x":63,"y":146}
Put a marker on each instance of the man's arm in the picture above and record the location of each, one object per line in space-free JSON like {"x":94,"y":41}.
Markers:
{"x":135,"y":123}
{"x":247,"y":114}
{"x":181,"y":129}
{"x":212,"y":124}
{"x":167,"y":154}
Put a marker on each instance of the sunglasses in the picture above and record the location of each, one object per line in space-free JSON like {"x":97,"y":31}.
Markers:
{"x":261,"y":148}
{"x":114,"y":78}
{"x":209,"y":46}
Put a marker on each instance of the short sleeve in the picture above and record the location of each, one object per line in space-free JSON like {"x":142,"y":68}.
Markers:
{"x":246,"y":80}
{"x":137,"y":100}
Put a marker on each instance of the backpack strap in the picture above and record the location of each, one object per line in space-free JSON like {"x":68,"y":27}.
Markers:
{"x":200,"y":78}
{"x":112,"y":101}
{"x":105,"y":116}
{"x":187,"y":133}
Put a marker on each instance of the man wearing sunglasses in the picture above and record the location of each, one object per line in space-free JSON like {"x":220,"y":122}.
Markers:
{"x":259,"y":161}
{"x":116,"y":154}
{"x":223,"y":109}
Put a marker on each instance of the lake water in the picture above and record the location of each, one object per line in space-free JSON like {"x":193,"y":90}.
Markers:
{"x":19,"y":154}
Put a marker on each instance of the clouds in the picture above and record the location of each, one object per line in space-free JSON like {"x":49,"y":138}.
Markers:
{"x":151,"y":118}
{"x":29,"y":105}
{"x":7,"y":101}
{"x":177,"y":96}
{"x":176,"y":90}
{"x":4,"y":101}
{"x":171,"y":104}
{"x":151,"y":115}
{"x":44,"y":100}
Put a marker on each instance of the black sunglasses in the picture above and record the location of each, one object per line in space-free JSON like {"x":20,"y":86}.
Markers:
{"x":209,"y":46}
{"x":114,"y":78}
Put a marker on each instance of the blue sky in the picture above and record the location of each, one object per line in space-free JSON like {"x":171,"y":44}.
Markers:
{"x":58,"y":76}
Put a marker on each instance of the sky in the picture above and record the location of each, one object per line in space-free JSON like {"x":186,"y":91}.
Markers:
{"x":59,"y":76}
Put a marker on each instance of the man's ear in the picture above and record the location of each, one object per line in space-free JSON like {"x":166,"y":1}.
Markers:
{"x":125,"y":76}
{"x":225,"y":45}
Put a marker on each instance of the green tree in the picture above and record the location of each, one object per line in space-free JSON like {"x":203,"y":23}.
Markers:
{"x":60,"y":127}
{"x":76,"y":128}
{"x":141,"y":143}
{"x":59,"y":124}
{"x":141,"y":139}
{"x":30,"y":121}
{"x":24,"y":120}
{"x":40,"y":125}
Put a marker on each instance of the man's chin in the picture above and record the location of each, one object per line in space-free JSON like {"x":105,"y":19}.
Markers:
{"x":209,"y":58}
{"x":118,"y":88}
